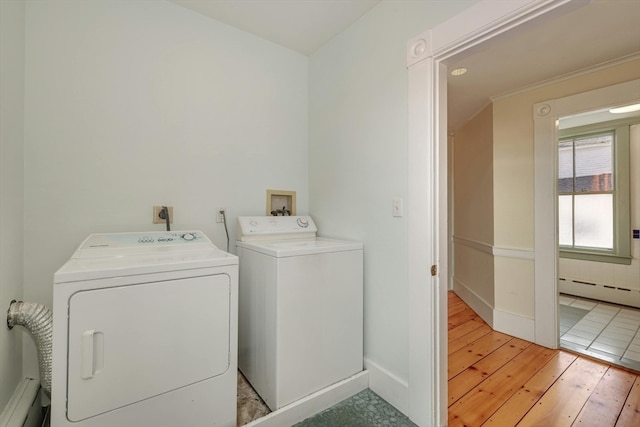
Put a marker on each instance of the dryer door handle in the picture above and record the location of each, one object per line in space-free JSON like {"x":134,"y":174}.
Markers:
{"x":92,"y":359}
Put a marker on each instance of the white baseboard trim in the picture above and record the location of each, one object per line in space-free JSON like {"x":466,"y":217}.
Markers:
{"x":388,"y":386}
{"x":477,"y":304}
{"x":501,"y":321}
{"x":314,"y":403}
{"x":514,"y":325}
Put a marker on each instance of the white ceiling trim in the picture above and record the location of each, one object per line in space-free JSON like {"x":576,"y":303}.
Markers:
{"x":568,"y":76}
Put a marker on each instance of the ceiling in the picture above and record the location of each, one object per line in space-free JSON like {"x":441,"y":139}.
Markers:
{"x":594,"y":116}
{"x":300,"y":25}
{"x":577,"y":37}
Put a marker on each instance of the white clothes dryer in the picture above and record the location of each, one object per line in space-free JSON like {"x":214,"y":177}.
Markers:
{"x":300,"y":308}
{"x":145,"y":333}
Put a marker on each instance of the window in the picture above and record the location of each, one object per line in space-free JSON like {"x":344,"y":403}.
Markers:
{"x":585,"y":189}
{"x":593,"y":193}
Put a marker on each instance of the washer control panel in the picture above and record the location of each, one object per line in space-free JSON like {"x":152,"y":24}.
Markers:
{"x":272,"y":227}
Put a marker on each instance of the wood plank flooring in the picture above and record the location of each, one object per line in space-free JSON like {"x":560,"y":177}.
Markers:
{"x":499,"y":380}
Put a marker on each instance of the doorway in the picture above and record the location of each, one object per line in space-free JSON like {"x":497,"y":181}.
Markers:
{"x":429,"y":240}
{"x":546,"y":115}
{"x":598,"y":279}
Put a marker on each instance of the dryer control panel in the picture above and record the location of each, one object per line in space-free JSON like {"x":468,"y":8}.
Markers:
{"x":134,"y":239}
{"x":100,"y":245}
{"x":275,"y":227}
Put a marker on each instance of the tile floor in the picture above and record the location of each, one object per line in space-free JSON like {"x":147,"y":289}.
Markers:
{"x":607,"y":331}
{"x":365,"y":409}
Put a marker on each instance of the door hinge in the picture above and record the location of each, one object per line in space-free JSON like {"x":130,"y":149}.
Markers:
{"x":434,"y":270}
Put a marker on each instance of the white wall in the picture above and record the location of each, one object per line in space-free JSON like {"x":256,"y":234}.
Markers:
{"x":11,"y":187}
{"x":131,"y":104}
{"x":473,"y":210}
{"x":358,"y":161}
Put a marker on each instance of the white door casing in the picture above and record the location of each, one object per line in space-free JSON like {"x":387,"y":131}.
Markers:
{"x":427,"y":189}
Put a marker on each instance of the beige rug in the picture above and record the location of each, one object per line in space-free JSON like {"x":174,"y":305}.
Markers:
{"x":250,"y":405}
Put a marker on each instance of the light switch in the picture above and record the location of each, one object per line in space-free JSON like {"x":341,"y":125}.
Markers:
{"x":397,"y":207}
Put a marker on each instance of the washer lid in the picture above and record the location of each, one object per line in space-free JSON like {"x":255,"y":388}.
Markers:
{"x":297,"y":247}
{"x":108,"y":255}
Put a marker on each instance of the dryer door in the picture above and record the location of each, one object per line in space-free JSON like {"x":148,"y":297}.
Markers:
{"x":134,"y":342}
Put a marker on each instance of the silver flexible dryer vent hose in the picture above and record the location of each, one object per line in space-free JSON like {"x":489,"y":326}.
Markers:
{"x":38,"y":320}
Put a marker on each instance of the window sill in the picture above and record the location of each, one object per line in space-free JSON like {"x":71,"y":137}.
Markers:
{"x":595,"y":257}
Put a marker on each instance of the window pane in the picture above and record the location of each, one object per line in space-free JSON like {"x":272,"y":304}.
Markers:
{"x":593,"y":221}
{"x":565,"y":220}
{"x":593,"y":157}
{"x":565,"y":167}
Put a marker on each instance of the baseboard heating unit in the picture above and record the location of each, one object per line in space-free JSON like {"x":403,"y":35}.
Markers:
{"x":600,"y":291}
{"x":23,"y":409}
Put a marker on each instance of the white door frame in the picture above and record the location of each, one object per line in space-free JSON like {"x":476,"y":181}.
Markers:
{"x":427,"y":188}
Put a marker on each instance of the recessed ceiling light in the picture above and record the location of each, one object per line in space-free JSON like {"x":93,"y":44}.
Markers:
{"x":626,"y":109}
{"x":458,"y":71}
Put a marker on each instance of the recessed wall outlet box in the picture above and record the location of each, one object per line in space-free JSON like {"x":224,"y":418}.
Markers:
{"x":281,"y":202}
{"x":219,"y":215}
{"x":156,"y":215}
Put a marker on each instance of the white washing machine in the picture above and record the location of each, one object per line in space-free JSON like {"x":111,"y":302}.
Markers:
{"x":300,"y":308}
{"x":145,"y":333}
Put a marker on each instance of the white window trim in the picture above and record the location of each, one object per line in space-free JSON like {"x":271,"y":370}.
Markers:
{"x":621,"y":253}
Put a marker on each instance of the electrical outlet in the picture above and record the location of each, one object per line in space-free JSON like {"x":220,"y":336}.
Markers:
{"x":156,"y":215}
{"x":219,"y":215}
{"x":397,"y":207}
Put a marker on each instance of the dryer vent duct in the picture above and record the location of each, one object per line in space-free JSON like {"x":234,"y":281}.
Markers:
{"x":38,"y":320}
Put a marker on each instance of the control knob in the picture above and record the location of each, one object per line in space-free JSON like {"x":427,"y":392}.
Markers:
{"x":303,"y":222}
{"x":188,"y":236}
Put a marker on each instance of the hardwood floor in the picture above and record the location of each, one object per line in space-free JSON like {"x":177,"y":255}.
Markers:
{"x":499,"y":380}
